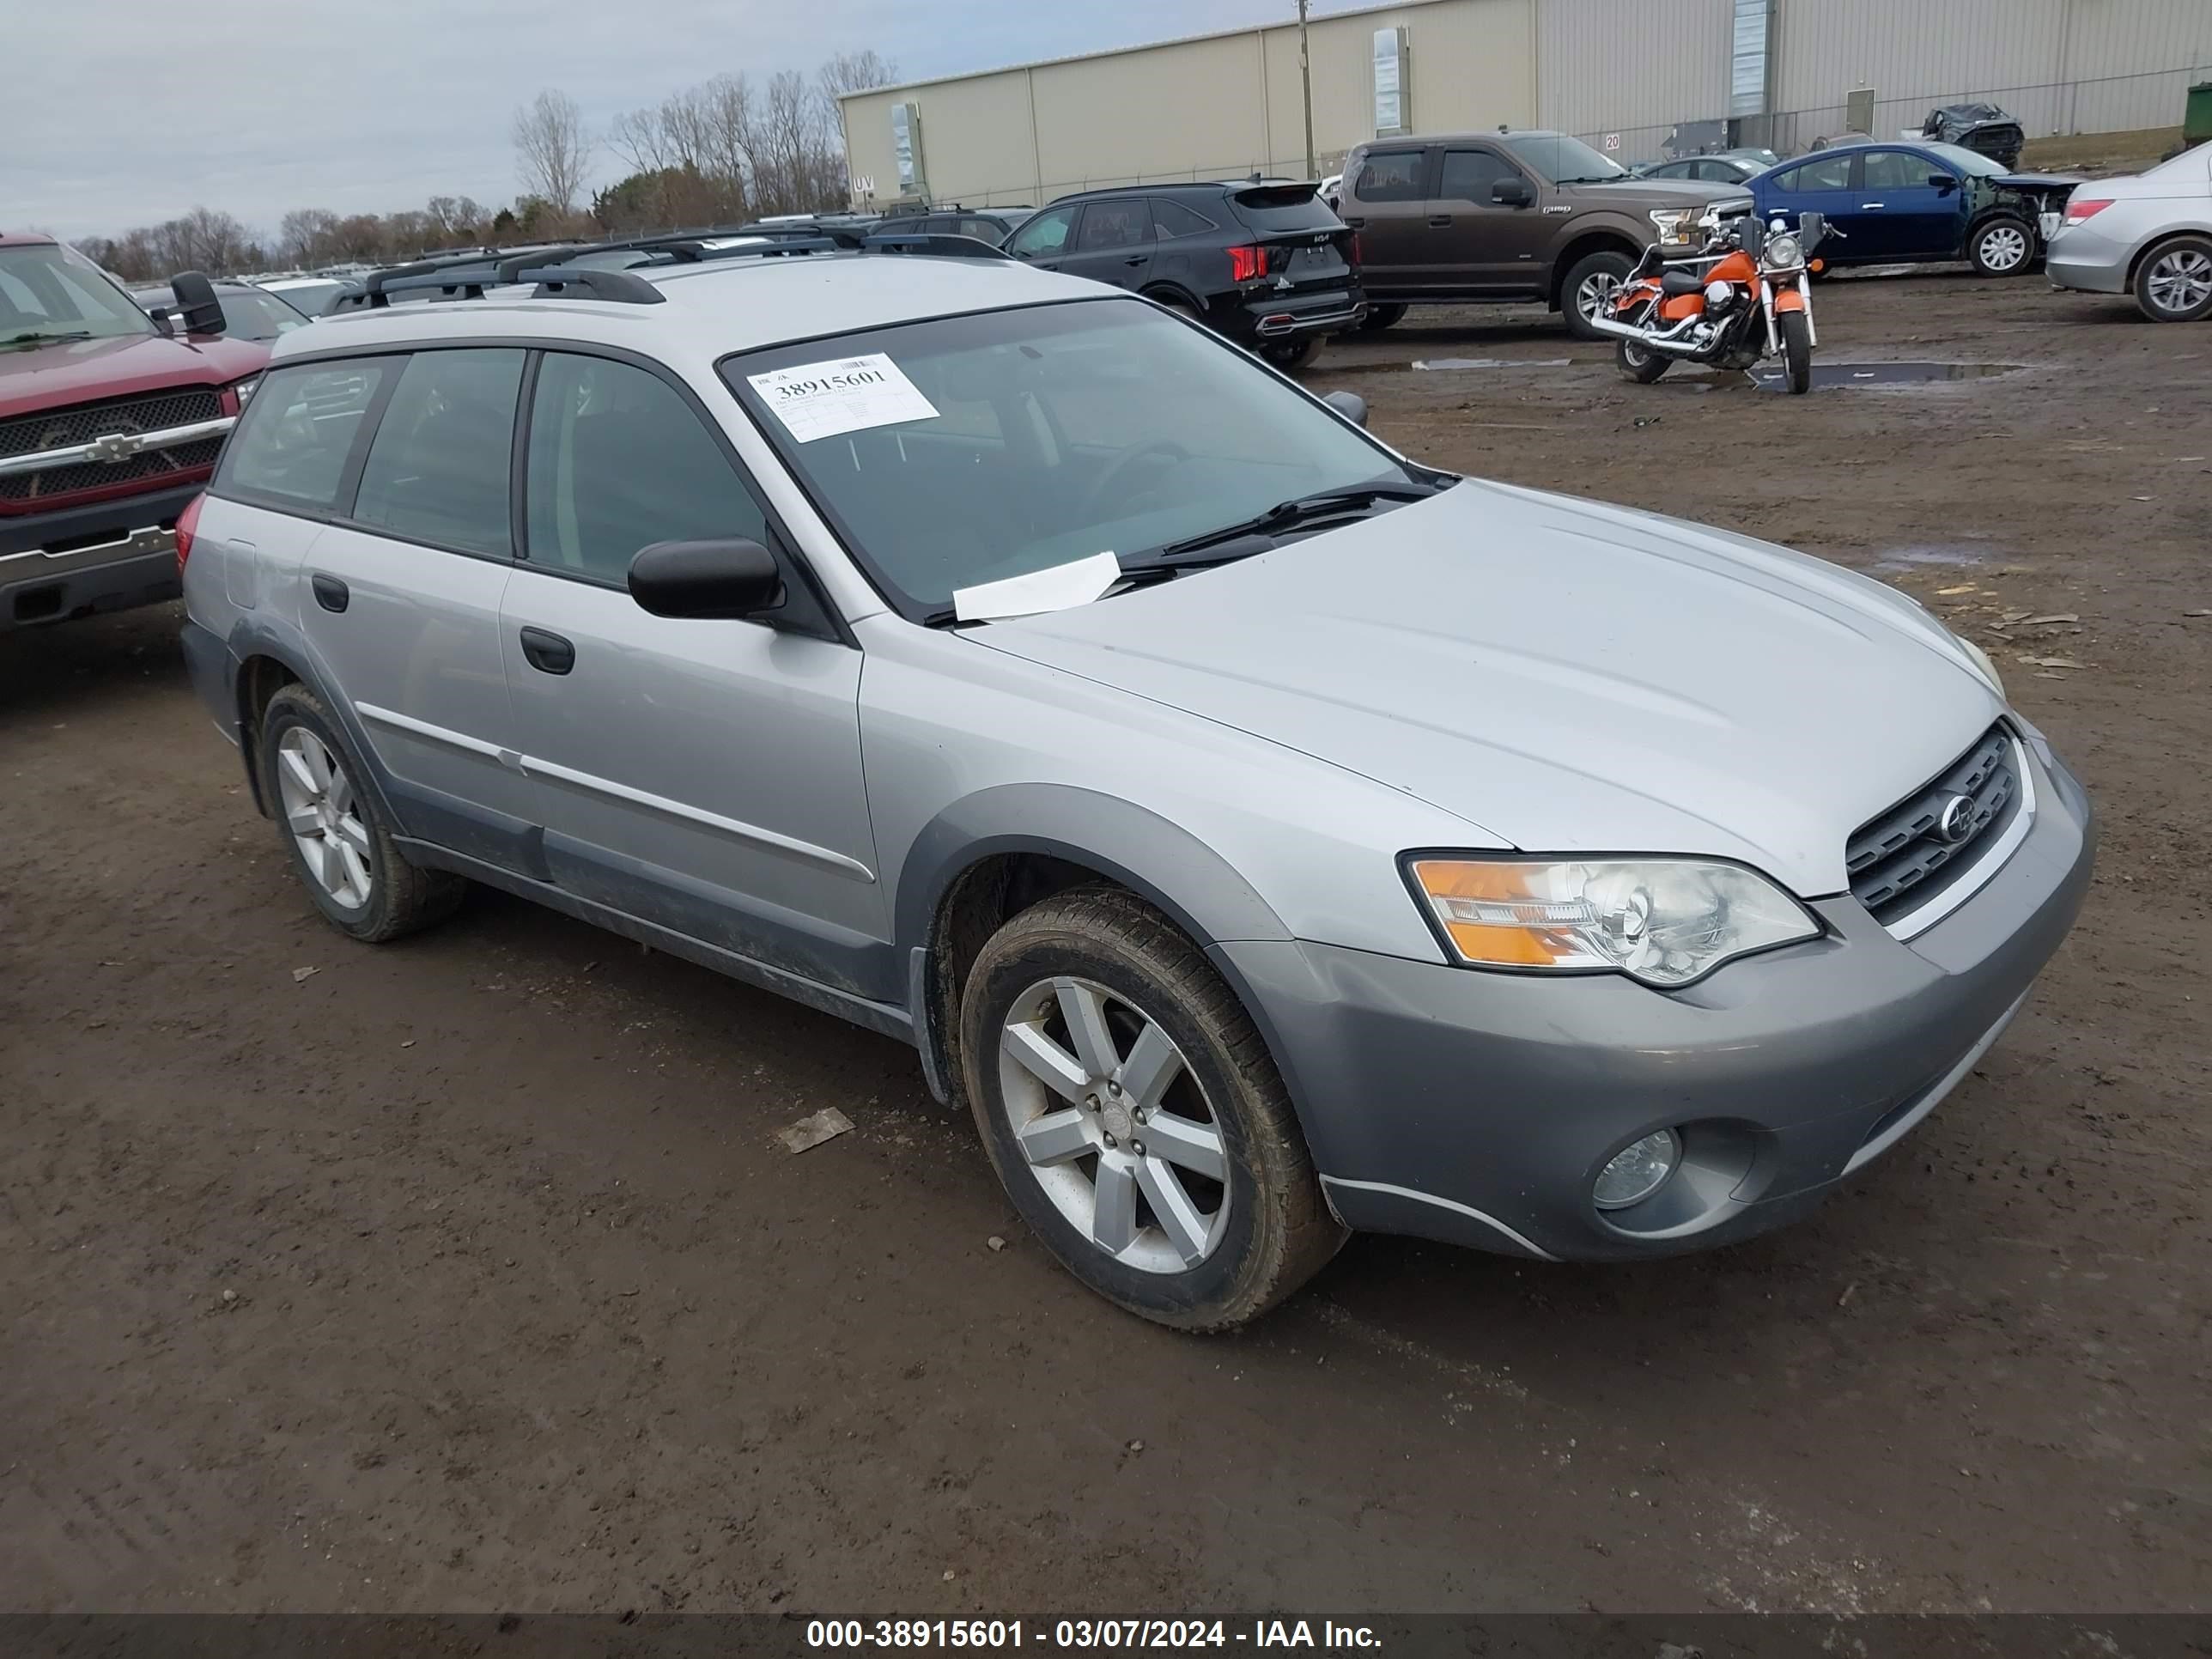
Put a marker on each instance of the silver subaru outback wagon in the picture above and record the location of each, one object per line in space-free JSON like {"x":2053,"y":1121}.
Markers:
{"x":1265,"y":836}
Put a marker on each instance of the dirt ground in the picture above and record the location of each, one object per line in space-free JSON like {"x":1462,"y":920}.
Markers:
{"x":465,"y":1273}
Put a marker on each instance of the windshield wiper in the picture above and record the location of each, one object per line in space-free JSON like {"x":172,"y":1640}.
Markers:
{"x":1283,"y":515}
{"x":35,"y":336}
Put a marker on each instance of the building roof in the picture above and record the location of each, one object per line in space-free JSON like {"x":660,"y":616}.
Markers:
{"x":1118,"y":52}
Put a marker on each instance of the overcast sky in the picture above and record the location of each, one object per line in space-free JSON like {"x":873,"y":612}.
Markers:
{"x":123,"y":112}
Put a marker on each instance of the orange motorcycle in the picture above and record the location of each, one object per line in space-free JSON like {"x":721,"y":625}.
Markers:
{"x":1741,"y":299}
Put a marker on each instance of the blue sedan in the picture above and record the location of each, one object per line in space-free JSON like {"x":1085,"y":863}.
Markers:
{"x":1901,"y":203}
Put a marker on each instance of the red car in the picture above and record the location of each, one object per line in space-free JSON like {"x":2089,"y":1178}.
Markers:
{"x":109,"y":425}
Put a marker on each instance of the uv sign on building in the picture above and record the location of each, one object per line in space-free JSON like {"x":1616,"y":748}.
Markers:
{"x":1623,"y":74}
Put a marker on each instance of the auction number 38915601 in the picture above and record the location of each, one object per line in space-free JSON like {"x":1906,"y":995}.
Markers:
{"x":1012,"y":1633}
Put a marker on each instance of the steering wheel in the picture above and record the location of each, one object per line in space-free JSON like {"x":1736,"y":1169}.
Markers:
{"x":1129,"y":458}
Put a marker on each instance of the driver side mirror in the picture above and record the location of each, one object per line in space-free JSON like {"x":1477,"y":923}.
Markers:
{"x":723,"y":580}
{"x":196,"y":305}
{"x":1351,"y":405}
{"x":1943,"y":182}
{"x":1512,"y":192}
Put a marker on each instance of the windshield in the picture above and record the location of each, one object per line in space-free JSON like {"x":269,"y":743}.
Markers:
{"x":967,"y":450}
{"x":51,"y":293}
{"x":1971,"y":161}
{"x":1562,"y":160}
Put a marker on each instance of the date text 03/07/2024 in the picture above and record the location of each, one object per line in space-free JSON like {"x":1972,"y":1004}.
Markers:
{"x":1114,"y":1633}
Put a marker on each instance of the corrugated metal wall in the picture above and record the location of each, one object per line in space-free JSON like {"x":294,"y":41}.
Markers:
{"x":1640,"y":67}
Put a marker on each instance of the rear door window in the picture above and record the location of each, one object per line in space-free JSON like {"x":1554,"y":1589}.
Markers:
{"x":1114,"y":224}
{"x":1393,"y":175}
{"x":1830,"y":172}
{"x":438,"y":469}
{"x":304,"y":423}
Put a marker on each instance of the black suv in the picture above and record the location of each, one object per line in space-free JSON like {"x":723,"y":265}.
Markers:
{"x":991,"y":225}
{"x":1266,"y":264}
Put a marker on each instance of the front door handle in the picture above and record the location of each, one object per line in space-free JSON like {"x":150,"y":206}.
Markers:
{"x":1355,"y":224}
{"x":1868,"y":207}
{"x":330,"y":593}
{"x":1438,"y":221}
{"x":1136,"y":258}
{"x":548,"y":653}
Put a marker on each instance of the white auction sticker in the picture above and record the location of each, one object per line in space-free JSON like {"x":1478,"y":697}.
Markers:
{"x":820,"y":400}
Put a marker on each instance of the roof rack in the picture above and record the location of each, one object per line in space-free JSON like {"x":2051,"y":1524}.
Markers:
{"x":554,"y":282}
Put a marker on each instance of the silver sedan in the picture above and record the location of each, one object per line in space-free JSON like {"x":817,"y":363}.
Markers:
{"x":2148,"y":234}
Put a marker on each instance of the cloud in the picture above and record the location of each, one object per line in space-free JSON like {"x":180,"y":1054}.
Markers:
{"x":123,"y":112}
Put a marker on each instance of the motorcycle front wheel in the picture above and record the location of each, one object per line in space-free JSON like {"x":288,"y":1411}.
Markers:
{"x":1796,"y":350}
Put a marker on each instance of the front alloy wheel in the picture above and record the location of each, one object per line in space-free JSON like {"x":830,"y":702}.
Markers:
{"x":1134,"y":1116}
{"x":1113,"y":1126}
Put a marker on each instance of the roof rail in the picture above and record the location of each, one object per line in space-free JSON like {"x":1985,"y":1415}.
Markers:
{"x":935,"y":244}
{"x":554,"y":282}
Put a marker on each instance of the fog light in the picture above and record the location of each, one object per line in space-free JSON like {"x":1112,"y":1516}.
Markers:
{"x":1638,"y":1171}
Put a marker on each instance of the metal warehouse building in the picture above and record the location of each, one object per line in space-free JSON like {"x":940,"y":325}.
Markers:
{"x":1624,"y":73}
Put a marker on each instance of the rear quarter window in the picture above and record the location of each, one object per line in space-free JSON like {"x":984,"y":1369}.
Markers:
{"x":299,"y":432}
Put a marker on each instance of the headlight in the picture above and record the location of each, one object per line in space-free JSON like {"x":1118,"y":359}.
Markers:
{"x":244,"y":389}
{"x":1785,"y":249}
{"x":1665,"y":921}
{"x":1982,"y":661}
{"x":1672,"y":223}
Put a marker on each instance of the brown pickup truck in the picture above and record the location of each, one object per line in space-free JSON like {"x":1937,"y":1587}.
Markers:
{"x":1513,"y":217}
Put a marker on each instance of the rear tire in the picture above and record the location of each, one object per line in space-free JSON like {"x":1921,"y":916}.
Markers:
{"x":2173,"y":283}
{"x":1290,"y":354}
{"x":2004,"y":246}
{"x":1234,"y":1242}
{"x":1588,"y":288}
{"x":339,"y":843}
{"x":1640,"y":363}
{"x":1796,"y":330}
{"x":1379,"y":317}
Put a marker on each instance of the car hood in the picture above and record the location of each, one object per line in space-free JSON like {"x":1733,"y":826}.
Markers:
{"x":2035,"y":181}
{"x":1564,"y":676}
{"x":44,"y":377}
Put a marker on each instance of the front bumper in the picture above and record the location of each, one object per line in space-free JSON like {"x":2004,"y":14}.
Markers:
{"x":1477,"y":1108}
{"x":139,"y":570}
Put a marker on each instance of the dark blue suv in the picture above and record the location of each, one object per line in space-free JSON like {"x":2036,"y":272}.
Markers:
{"x":1899,"y":203}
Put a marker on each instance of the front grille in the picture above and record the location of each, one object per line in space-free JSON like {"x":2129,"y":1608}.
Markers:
{"x":1901,"y":858}
{"x":58,"y":429}
{"x":148,"y":467}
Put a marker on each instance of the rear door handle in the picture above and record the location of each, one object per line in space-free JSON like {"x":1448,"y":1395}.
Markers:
{"x":1866,"y":207}
{"x":330,"y":593}
{"x":1136,"y":258}
{"x":548,"y":653}
{"x":1355,"y":224}
{"x":1438,"y":221}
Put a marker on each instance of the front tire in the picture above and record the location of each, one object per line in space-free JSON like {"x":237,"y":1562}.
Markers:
{"x":2174,"y":284}
{"x":340,"y":846}
{"x":2001,"y":247}
{"x":1134,"y":1116}
{"x":1796,"y":330}
{"x":1588,"y":289}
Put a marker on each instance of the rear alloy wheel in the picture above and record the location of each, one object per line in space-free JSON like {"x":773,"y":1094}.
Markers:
{"x":2002,"y":247}
{"x":341,"y":849}
{"x":1589,"y":290}
{"x":2174,"y":284}
{"x":1134,"y":1116}
{"x":1288,"y":355}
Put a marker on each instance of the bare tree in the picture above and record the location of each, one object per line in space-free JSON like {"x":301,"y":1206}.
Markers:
{"x":852,"y":71}
{"x":550,"y":149}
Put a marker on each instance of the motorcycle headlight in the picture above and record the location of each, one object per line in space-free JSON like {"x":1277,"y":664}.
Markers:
{"x":1673,"y":224}
{"x":244,"y":389}
{"x":1664,"y":921}
{"x":1785,"y":249}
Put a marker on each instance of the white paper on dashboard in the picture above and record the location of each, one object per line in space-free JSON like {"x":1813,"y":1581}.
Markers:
{"x":1062,"y":587}
{"x":844,"y":394}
